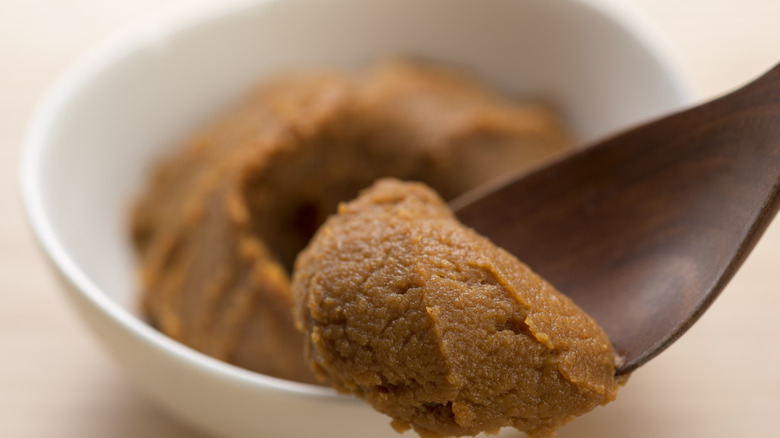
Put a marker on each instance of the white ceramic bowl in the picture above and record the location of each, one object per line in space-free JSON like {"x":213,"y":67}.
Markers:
{"x":99,"y":129}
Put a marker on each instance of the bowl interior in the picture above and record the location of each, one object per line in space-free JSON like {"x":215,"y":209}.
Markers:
{"x":92,"y":144}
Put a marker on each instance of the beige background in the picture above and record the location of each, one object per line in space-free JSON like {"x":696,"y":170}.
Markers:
{"x":721,"y":380}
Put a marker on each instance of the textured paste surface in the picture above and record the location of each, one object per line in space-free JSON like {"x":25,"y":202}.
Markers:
{"x":222,"y":219}
{"x":439,"y":328}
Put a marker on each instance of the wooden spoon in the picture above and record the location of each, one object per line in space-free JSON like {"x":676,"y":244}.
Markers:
{"x":645,"y":229}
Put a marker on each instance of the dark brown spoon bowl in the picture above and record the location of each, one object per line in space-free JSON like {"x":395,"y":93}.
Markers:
{"x":645,"y":229}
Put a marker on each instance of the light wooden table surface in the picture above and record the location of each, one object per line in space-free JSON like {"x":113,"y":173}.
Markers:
{"x":722,"y":379}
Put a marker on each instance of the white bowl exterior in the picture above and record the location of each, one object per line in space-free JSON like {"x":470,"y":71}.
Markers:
{"x":95,"y":136}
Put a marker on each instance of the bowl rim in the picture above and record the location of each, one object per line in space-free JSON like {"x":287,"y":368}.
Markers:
{"x":173,"y":19}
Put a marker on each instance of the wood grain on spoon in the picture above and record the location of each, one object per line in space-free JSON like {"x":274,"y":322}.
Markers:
{"x":645,"y":229}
